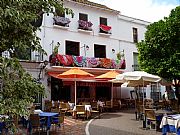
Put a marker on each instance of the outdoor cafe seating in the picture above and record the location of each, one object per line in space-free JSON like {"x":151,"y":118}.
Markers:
{"x":80,"y":110}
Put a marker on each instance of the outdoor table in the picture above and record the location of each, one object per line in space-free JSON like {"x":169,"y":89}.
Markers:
{"x":48,"y":115}
{"x":163,"y":112}
{"x":87,"y":108}
{"x":170,"y":123}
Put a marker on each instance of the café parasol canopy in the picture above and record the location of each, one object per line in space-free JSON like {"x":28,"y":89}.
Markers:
{"x":75,"y":73}
{"x":137,"y":78}
{"x":109,"y":76}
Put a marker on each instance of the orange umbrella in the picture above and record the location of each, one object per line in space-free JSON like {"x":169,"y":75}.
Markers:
{"x":75,"y":73}
{"x":109,"y":76}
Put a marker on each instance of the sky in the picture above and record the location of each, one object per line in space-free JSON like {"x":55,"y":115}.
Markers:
{"x":147,"y":10}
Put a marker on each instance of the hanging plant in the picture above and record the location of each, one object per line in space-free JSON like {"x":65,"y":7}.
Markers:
{"x":120,"y":55}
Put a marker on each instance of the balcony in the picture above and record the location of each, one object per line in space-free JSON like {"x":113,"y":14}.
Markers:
{"x":88,"y":62}
{"x":105,"y":30}
{"x":61,"y":21}
{"x":135,"y":68}
{"x":85,"y":26}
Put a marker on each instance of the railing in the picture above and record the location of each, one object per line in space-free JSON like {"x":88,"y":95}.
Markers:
{"x":85,"y":25}
{"x":135,"y":68}
{"x":83,"y":61}
{"x":61,"y":21}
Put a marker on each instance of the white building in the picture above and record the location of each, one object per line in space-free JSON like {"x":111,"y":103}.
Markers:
{"x":82,"y":40}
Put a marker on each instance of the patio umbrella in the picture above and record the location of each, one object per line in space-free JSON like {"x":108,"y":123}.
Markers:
{"x":75,"y":73}
{"x":137,"y":78}
{"x":109,"y":76}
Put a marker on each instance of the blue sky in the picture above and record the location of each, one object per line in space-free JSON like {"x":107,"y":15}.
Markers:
{"x":148,"y":10}
{"x":174,"y":2}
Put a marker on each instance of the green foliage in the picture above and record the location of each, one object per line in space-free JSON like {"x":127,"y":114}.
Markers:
{"x":17,"y":90}
{"x":55,"y":50}
{"x":16,"y":19}
{"x":159,"y":53}
{"x":119,"y":55}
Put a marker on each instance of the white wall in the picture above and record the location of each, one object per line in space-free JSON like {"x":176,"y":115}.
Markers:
{"x":121,"y":38}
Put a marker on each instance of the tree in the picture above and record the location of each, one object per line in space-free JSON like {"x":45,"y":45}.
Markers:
{"x":18,"y":23}
{"x":159,"y":53}
{"x":18,"y":89}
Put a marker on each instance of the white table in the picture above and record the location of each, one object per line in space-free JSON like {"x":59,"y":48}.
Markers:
{"x":87,"y":108}
{"x":170,"y":123}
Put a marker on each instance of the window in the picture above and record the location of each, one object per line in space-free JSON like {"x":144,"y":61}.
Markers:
{"x":136,"y":65}
{"x":83,"y":17}
{"x":72,"y":48}
{"x":99,"y":51}
{"x":83,"y":22}
{"x":141,"y":92}
{"x":155,"y":92}
{"x":135,"y":35}
{"x":103,"y":21}
{"x":23,"y":54}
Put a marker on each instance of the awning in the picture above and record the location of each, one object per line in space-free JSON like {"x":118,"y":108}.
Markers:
{"x":100,"y":83}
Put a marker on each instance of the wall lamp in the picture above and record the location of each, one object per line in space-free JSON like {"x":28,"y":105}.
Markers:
{"x":113,"y":51}
{"x":45,"y":63}
{"x":85,"y":47}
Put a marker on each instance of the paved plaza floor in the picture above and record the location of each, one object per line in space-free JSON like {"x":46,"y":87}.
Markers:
{"x":112,"y":123}
{"x":119,"y":123}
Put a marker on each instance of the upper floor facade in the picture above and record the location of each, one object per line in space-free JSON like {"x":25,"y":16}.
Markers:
{"x":94,"y":31}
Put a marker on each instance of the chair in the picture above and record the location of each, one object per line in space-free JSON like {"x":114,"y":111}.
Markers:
{"x":94,"y":105}
{"x":107,"y":106}
{"x":56,"y":104}
{"x":96,"y":109}
{"x":116,"y":104}
{"x":56,"y":110}
{"x":48,"y":106}
{"x":80,"y":111}
{"x":58,"y":121}
{"x":148,"y":103}
{"x":85,"y":103}
{"x":122,"y":105}
{"x":36,"y":123}
{"x":63,"y":107}
{"x":139,"y":110}
{"x":151,"y":118}
{"x":69,"y":109}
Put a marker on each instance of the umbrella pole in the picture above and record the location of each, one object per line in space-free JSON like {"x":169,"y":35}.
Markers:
{"x":75,"y":92}
{"x":144,"y":119}
{"x":112,"y":95}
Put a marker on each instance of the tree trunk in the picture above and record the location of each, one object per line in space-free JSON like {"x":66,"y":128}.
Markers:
{"x":177,"y":92}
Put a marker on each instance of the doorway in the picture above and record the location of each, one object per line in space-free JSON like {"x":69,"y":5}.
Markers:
{"x":103,"y":93}
{"x":58,"y":91}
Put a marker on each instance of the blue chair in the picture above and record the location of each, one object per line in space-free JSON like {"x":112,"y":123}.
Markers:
{"x":59,"y":120}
